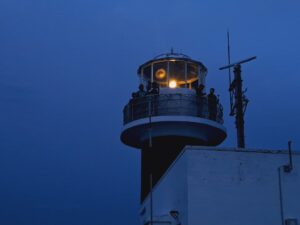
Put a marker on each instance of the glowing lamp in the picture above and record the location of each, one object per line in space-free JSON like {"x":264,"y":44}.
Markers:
{"x":172,"y":84}
{"x":160,"y":74}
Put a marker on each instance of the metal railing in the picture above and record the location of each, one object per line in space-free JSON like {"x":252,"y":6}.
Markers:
{"x":170,"y":104}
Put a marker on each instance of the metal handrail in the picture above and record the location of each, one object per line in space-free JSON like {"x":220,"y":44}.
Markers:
{"x":169,"y":104}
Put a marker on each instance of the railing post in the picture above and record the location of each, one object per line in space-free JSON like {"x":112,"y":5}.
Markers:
{"x":150,"y":120}
{"x":132,"y":112}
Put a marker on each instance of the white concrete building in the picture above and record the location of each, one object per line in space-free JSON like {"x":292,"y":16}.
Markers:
{"x":209,"y":186}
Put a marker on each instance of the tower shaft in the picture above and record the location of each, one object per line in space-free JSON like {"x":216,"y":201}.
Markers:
{"x":156,"y":160}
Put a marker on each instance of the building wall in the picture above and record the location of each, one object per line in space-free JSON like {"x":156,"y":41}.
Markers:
{"x":222,"y":186}
{"x":241,"y":187}
{"x":169,"y":194}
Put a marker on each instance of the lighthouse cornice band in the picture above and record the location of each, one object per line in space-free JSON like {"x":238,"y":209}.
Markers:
{"x":189,"y":129}
{"x":180,"y":118}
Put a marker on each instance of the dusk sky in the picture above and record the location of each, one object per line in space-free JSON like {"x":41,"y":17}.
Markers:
{"x":67,"y":68}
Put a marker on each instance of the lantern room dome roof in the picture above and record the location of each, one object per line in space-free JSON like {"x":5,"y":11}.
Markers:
{"x":171,"y":56}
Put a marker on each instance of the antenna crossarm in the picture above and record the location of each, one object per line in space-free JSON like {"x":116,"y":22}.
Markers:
{"x":237,"y":63}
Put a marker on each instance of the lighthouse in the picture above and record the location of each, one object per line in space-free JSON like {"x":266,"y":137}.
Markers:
{"x":162,"y":122}
{"x":186,"y":178}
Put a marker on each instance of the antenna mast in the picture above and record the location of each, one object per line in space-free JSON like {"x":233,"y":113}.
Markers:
{"x":239,"y":105}
{"x":229,"y":73}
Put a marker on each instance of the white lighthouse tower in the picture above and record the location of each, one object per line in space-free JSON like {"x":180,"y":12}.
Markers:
{"x":185,"y":178}
{"x":161,"y":122}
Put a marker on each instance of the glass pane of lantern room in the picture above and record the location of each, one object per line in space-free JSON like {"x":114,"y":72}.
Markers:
{"x":177,"y":73}
{"x":146,"y":74}
{"x":192,"y":74}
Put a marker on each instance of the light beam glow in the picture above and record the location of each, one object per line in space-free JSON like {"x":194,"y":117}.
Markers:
{"x":172,"y":84}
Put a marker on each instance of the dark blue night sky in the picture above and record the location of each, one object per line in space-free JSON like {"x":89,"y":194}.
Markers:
{"x":67,"y":68}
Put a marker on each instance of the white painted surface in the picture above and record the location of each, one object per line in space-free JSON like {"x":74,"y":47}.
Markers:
{"x":187,"y":119}
{"x":221,"y":186}
{"x":170,"y":194}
